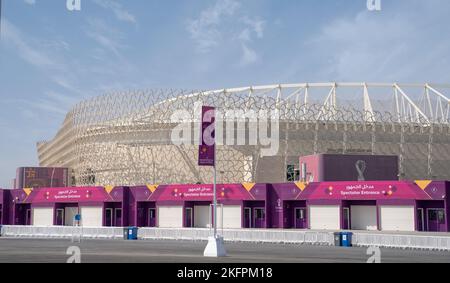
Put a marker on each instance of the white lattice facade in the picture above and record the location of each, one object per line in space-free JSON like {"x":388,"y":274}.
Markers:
{"x":125,"y":138}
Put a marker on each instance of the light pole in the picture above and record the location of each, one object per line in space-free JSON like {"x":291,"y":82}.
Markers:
{"x":215,"y":193}
{"x":215,"y":246}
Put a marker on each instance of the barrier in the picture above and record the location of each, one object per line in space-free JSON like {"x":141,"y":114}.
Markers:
{"x":240,"y":235}
{"x":420,"y":242}
{"x":423,"y":242}
{"x":62,"y":232}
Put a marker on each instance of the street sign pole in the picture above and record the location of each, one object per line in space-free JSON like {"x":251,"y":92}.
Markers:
{"x":207,"y":157}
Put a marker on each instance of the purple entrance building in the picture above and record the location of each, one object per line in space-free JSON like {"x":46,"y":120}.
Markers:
{"x":352,"y":205}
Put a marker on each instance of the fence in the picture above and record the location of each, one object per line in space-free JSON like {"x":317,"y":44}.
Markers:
{"x":422,"y":242}
{"x":59,"y":232}
{"x":425,"y":242}
{"x":240,"y":235}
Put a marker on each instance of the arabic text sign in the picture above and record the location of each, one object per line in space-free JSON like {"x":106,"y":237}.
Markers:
{"x":69,"y":195}
{"x":366,"y":191}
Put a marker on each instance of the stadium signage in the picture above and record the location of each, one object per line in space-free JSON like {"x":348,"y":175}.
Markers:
{"x":49,"y":195}
{"x":207,"y":148}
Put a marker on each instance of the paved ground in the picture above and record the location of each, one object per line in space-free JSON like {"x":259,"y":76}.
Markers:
{"x":93,"y":251}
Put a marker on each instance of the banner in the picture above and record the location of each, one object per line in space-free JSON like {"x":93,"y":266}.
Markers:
{"x":206,"y":152}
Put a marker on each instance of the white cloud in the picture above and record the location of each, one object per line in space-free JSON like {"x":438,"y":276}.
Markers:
{"x":118,"y":10}
{"x":30,"y":2}
{"x":401,"y":43}
{"x":206,"y":29}
{"x":24,"y":46}
{"x":48,"y":57}
{"x":257,"y":25}
{"x":106,"y":36}
{"x":227,"y":22}
{"x":249,"y":56}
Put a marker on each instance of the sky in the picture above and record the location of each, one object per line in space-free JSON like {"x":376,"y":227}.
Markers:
{"x":51,"y":58}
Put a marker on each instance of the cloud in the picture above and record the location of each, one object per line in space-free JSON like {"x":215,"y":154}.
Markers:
{"x":51,"y":58}
{"x":257,"y":25}
{"x":404,"y":43}
{"x":118,"y":10}
{"x":26,"y":46}
{"x":30,"y":2}
{"x":227,"y":22}
{"x":105,"y":35}
{"x":205,"y":30}
{"x":249,"y":56}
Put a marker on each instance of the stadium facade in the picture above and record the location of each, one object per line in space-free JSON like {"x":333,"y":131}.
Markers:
{"x":124,"y":139}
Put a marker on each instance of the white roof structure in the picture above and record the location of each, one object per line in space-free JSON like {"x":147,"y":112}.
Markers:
{"x":124,"y":138}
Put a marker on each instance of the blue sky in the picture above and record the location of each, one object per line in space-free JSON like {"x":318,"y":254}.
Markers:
{"x":51,"y":58}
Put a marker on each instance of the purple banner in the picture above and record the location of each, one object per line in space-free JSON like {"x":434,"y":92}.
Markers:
{"x":68,"y":195}
{"x":206,"y":152}
{"x":231,"y":192}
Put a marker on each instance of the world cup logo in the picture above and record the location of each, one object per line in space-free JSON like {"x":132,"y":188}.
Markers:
{"x":361,"y":167}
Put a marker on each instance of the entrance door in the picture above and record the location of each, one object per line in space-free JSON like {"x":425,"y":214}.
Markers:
{"x":152,"y":217}
{"x":141,"y":217}
{"x":28,"y":217}
{"x":60,"y":217}
{"x":436,"y":220}
{"x":170,"y":216}
{"x":364,"y":218}
{"x":300,"y":218}
{"x":259,"y":218}
{"x":247,"y":217}
{"x":43,"y":216}
{"x":398,"y":218}
{"x":202,"y":216}
{"x":189,"y":223}
{"x":325,"y":217}
{"x":118,"y":217}
{"x":229,"y":217}
{"x":346,"y":218}
{"x":109,"y":217}
{"x":420,"y":219}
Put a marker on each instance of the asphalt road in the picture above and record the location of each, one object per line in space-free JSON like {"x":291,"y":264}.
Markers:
{"x":105,"y":251}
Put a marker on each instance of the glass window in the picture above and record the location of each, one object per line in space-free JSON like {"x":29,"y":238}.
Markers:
{"x":300,"y":214}
{"x":118,"y":213}
{"x":432,"y":215}
{"x":292,"y":173}
{"x":152,"y":213}
{"x":441,"y":217}
{"x":259,"y":213}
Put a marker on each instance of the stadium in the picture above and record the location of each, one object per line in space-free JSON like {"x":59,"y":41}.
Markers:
{"x":124,"y":139}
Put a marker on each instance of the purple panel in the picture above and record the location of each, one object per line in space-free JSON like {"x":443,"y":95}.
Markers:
{"x":406,"y":202}
{"x":143,"y":214}
{"x":206,"y":151}
{"x":116,"y":218}
{"x":336,"y":167}
{"x":447,"y":205}
{"x":323,"y":202}
{"x":437,"y":190}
